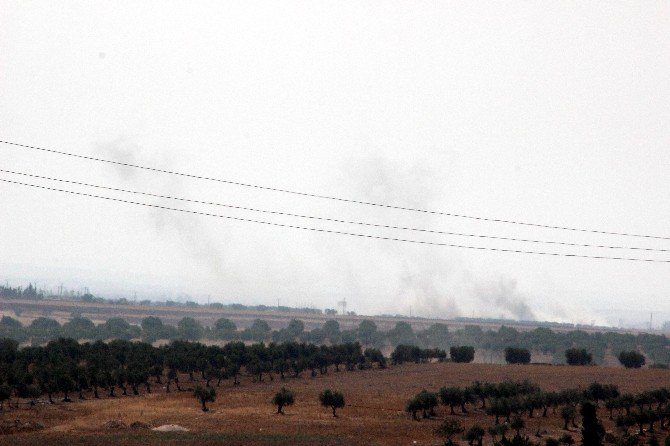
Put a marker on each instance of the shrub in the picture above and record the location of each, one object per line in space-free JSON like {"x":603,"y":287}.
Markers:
{"x":283,"y":398}
{"x":578,"y":356}
{"x":205,"y":395}
{"x":332,"y":399}
{"x":515,"y":355}
{"x":448,"y":429}
{"x":631,"y":359}
{"x":462,"y":354}
{"x":475,"y":434}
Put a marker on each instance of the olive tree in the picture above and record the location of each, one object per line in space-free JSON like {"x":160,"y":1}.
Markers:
{"x":332,"y":399}
{"x":205,"y":395}
{"x":283,"y":398}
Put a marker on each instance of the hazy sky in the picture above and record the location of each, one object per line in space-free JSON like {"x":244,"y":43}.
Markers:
{"x":547,"y":112}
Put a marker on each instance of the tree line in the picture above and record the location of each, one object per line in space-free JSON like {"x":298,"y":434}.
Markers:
{"x":512,"y":345}
{"x":67,"y":368}
{"x":511,"y":404}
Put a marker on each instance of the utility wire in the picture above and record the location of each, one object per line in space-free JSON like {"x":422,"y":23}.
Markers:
{"x":330,"y":231}
{"x":329,"y":197}
{"x":335,"y":220}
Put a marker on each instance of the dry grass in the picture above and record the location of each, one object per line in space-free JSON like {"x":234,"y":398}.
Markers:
{"x":374,"y":412}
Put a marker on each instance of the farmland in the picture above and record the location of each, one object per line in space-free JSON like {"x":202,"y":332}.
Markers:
{"x":374,"y":412}
{"x":62,"y":310}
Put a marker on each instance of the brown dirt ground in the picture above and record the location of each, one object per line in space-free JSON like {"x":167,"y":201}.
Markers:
{"x":374,"y":413}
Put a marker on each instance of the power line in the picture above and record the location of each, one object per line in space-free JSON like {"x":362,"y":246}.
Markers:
{"x":330,"y":231}
{"x":335,"y":220}
{"x":329,"y":197}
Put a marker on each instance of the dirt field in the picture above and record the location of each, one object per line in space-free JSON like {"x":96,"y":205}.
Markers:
{"x":374,"y":413}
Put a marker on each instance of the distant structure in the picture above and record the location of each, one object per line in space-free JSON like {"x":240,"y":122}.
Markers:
{"x":343,"y":304}
{"x":666,"y":326}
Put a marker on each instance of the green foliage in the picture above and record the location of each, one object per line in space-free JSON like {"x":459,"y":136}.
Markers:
{"x":259,"y":330}
{"x":190,"y":329}
{"x":448,"y":429}
{"x":475,"y":435}
{"x":423,"y":401}
{"x":331,"y":331}
{"x":225,"y":329}
{"x":43,"y":329}
{"x":631,"y":359}
{"x":12,"y":329}
{"x":462,"y":354}
{"x":367,"y":331}
{"x":578,"y":356}
{"x":117,"y":328}
{"x":592,"y":430}
{"x":333,"y":399}
{"x":412,"y":353}
{"x":568,"y":413}
{"x":402,"y":333}
{"x":5,"y":394}
{"x":283,"y":398}
{"x":436,"y":336}
{"x":517,"y":355}
{"x":205,"y":395}
{"x":79,"y":328}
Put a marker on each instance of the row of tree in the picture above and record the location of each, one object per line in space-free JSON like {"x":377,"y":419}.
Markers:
{"x":328,"y":398}
{"x":510,"y":402}
{"x":65,"y":367}
{"x":585,"y":348}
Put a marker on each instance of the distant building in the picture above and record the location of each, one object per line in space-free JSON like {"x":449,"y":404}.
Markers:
{"x":666,"y":326}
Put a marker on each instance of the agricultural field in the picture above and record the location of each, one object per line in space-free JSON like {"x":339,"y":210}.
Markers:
{"x":374,"y":412}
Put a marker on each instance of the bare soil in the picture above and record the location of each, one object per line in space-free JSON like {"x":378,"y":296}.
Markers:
{"x":374,"y":413}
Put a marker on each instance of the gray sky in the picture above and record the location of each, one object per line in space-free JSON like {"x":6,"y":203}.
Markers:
{"x":548,"y":112}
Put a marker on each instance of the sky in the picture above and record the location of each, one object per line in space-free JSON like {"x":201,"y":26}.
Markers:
{"x":547,"y":112}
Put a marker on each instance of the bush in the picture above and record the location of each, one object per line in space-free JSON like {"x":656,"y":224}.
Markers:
{"x":632,"y":359}
{"x":205,"y":395}
{"x":578,"y":356}
{"x":448,"y":429}
{"x":462,"y":354}
{"x":475,"y":434}
{"x":332,"y":399}
{"x":283,"y":398}
{"x":515,"y":355}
